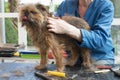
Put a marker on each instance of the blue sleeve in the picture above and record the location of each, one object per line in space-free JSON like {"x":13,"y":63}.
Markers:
{"x":99,"y":34}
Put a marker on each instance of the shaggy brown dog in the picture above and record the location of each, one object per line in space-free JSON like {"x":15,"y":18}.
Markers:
{"x":34,"y":17}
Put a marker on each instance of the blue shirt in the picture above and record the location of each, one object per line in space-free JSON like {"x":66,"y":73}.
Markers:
{"x":99,"y":16}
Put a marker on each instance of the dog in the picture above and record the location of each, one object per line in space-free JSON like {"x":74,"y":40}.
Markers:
{"x":34,"y":18}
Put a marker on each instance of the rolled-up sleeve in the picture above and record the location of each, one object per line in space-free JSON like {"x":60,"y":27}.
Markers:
{"x":99,"y":16}
{"x":100,"y":32}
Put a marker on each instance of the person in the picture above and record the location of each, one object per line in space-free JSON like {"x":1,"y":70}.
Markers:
{"x":99,"y":15}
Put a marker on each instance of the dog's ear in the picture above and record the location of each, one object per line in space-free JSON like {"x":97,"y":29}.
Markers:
{"x":41,"y":7}
{"x":19,"y":7}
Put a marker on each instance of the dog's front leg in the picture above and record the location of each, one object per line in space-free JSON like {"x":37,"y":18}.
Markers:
{"x":59,"y":59}
{"x":43,"y":61}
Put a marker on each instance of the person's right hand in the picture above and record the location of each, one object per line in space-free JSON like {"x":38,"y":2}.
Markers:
{"x":60,"y":26}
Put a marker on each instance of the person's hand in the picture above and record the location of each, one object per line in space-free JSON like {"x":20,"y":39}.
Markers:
{"x":60,"y":26}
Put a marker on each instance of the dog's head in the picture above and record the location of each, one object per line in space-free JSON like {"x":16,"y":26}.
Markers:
{"x":32,"y":14}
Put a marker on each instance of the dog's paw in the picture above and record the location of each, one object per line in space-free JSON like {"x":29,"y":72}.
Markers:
{"x":61,"y":69}
{"x":86,"y":65}
{"x":39,"y":67}
{"x":70,"y":63}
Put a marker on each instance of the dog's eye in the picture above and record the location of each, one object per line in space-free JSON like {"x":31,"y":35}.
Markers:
{"x":33,"y":12}
{"x":23,"y":10}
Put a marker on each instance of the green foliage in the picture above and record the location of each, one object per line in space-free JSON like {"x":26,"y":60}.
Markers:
{"x":11,"y":32}
{"x":30,"y":56}
{"x":6,"y":7}
{"x":56,"y":6}
{"x":29,"y":42}
{"x":116,"y":4}
{"x":116,"y":38}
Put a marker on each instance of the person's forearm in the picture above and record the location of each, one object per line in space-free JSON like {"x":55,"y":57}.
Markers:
{"x":74,"y":33}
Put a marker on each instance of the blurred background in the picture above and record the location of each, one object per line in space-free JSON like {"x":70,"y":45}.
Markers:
{"x":12,"y":33}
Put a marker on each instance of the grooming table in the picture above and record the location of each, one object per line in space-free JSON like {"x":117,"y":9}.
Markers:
{"x":25,"y":71}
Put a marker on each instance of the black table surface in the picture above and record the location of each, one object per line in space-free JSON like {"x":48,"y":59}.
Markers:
{"x":10,"y":71}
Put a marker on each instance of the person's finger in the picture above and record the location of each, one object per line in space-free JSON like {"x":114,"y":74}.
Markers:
{"x":50,"y":26}
{"x":50,"y":19}
{"x":52,"y":30}
{"x":52,"y":22}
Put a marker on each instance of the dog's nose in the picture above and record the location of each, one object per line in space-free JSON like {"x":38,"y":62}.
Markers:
{"x":26,"y":13}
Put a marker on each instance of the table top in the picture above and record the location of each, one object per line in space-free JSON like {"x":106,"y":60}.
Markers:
{"x":25,"y":71}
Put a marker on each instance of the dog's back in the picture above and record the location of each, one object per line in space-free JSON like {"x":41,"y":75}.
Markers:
{"x":77,"y":22}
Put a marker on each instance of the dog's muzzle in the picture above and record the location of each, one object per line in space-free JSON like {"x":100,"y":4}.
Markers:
{"x":24,"y":18}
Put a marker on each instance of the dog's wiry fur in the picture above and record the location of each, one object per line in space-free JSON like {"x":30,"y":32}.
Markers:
{"x":34,"y":18}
